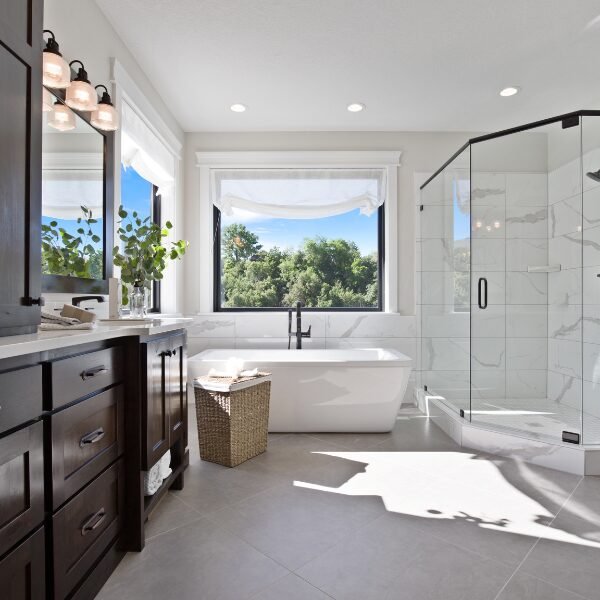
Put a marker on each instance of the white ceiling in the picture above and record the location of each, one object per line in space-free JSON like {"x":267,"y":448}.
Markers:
{"x":417,"y":64}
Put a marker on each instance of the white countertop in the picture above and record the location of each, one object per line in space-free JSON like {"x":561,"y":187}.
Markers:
{"x":18,"y":345}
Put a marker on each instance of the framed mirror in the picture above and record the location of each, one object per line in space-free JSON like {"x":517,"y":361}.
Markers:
{"x":77,"y":200}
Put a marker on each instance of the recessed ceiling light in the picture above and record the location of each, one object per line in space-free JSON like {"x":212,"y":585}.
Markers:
{"x":356,"y":107}
{"x":238,"y":107}
{"x":510,"y":91}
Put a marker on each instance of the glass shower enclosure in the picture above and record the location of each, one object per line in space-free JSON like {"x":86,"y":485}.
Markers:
{"x":509,"y":270}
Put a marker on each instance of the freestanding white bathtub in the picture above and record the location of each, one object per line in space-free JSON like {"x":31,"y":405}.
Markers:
{"x":323,"y":390}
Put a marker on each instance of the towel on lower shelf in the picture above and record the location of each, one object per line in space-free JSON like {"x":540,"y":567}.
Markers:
{"x":52,"y":322}
{"x":157,"y":474}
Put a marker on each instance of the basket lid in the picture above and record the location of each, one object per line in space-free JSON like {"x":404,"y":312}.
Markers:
{"x":228,"y":384}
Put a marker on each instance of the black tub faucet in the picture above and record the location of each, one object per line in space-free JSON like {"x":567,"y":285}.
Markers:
{"x":298,"y":333}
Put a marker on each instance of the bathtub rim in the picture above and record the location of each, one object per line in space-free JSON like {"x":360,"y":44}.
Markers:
{"x":398,"y":359}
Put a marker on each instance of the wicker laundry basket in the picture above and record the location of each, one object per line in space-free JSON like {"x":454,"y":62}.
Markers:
{"x":233,"y":417}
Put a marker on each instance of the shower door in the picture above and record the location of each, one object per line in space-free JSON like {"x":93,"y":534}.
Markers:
{"x":444,"y":238}
{"x":526,"y":281}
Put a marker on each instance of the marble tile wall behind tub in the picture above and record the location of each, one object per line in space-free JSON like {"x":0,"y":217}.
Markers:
{"x":338,"y":330}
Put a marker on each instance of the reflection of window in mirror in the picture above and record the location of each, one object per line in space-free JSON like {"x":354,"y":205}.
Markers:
{"x":72,"y":194}
{"x":140,"y":196}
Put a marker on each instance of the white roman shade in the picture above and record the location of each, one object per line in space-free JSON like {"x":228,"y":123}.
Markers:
{"x":143,"y":151}
{"x":70,"y":181}
{"x":303,"y":193}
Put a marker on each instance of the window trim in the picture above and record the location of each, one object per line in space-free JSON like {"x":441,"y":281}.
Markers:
{"x":320,"y":159}
{"x":217,"y":279}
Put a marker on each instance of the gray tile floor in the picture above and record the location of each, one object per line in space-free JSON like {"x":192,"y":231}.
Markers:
{"x":400,"y":516}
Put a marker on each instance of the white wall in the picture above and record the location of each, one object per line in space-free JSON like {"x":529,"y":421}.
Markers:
{"x":85,"y":34}
{"x":420,"y":152}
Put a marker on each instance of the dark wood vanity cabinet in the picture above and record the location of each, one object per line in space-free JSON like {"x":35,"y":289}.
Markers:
{"x":22,"y":572}
{"x":78,"y":426}
{"x":20,"y":164}
{"x":164,"y":390}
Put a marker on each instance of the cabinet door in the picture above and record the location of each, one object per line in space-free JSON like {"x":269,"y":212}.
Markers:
{"x":22,"y":572}
{"x":20,"y":164}
{"x":21,"y":484}
{"x":176,"y":390}
{"x":155,"y":410}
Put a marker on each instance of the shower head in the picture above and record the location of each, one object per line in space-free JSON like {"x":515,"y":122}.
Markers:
{"x":595,"y":175}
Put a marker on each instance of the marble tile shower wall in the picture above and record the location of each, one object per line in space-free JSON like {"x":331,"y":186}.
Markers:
{"x":574,"y":292}
{"x":509,"y":338}
{"x":338,"y":330}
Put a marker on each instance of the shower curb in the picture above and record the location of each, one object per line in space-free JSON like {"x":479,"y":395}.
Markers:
{"x":577,"y":459}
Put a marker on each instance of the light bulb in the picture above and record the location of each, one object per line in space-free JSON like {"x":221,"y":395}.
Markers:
{"x":105,"y":117}
{"x":61,"y":118}
{"x":81,"y":96}
{"x":55,"y":71}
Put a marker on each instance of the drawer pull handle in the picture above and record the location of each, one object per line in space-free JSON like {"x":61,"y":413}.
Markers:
{"x":93,"y":522}
{"x":92,"y":437}
{"x":89,"y":373}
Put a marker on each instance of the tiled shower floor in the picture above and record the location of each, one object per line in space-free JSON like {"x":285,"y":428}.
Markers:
{"x":538,"y":417}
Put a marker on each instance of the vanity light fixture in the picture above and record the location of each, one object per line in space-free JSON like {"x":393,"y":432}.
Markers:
{"x":55,"y":70}
{"x":238,"y":108}
{"x":80,"y":94}
{"x":105,"y":116}
{"x":511,"y":90}
{"x":61,"y":117}
{"x":356,"y":107}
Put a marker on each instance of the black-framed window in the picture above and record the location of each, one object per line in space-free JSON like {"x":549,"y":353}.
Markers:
{"x":140,"y":195}
{"x":333,"y":263}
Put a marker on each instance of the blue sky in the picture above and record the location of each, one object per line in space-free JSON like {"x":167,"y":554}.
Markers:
{"x":290,"y":233}
{"x":136,"y":193}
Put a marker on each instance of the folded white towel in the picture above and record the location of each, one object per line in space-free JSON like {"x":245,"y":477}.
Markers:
{"x":233,"y":374}
{"x":48,"y":317}
{"x":54,"y":322}
{"x":60,"y":327}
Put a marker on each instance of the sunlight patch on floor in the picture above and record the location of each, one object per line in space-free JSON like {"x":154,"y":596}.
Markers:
{"x":460,"y":487}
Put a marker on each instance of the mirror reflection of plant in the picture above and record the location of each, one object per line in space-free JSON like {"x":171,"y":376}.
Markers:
{"x":142,"y":256}
{"x":72,"y":255}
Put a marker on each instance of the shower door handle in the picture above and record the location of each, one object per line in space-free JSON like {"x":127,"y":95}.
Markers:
{"x":482,"y":299}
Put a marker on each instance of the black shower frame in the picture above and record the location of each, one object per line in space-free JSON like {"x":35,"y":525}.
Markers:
{"x":572,"y":119}
{"x":568,"y":120}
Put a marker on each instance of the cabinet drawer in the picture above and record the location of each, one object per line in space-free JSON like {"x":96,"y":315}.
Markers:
{"x":85,"y":527}
{"x":20,"y":397}
{"x":86,"y":438}
{"x":78,"y":376}
{"x":22,"y":572}
{"x":21,"y":484}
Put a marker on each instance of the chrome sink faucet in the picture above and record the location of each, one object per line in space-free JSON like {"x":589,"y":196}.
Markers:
{"x":298,"y":333}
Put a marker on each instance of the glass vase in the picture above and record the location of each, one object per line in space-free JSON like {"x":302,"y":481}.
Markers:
{"x":138,"y":308}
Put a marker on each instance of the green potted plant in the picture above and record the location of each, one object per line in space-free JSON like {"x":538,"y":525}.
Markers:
{"x":142,"y":257}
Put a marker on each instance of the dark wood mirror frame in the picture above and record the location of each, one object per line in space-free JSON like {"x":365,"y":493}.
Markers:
{"x":66,"y":284}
